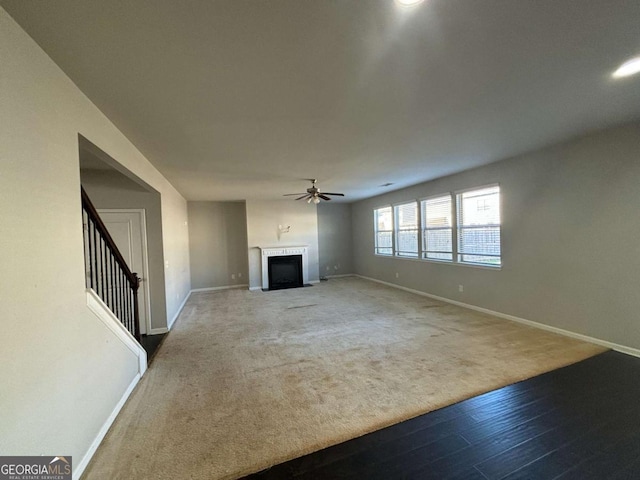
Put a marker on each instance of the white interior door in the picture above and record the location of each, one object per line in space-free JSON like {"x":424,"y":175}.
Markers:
{"x":128,"y":230}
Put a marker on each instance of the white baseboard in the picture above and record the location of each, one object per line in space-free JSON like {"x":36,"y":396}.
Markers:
{"x":214,"y":289}
{"x":567,"y":333}
{"x":254,"y":289}
{"x":342,"y":275}
{"x":178,"y":312}
{"x":79,"y":470}
{"x":158,"y":331}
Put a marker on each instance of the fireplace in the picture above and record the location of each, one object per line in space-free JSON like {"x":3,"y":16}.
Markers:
{"x":284,"y":267}
{"x":285,"y":271}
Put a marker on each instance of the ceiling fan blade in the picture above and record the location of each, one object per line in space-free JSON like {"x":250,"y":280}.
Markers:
{"x":313,"y":194}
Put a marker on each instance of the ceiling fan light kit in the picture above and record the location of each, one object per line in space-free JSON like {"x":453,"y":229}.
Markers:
{"x":313,"y":194}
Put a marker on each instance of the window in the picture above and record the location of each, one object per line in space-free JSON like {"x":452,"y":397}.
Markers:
{"x":478,"y":224}
{"x":384,"y":231}
{"x":460,"y":228}
{"x":437,"y":228}
{"x":406,"y":216}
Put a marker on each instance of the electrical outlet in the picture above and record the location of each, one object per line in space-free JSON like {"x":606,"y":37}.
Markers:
{"x":397,"y":275}
{"x":240,"y":275}
{"x":233,"y":276}
{"x":327,"y":268}
{"x":461,"y":288}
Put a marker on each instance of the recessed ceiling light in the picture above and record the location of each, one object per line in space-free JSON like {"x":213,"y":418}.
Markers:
{"x":408,"y":3}
{"x":628,"y":68}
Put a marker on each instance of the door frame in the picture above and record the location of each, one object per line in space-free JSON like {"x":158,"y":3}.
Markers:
{"x":144,"y":283}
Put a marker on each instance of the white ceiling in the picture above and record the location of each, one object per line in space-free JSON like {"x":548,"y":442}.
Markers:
{"x":242,"y":99}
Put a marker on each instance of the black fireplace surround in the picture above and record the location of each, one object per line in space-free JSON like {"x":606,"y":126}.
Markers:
{"x":285,"y":271}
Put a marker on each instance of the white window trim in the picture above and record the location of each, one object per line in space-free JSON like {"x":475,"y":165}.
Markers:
{"x":455,"y":238}
{"x":479,"y":187}
{"x":396,"y":230}
{"x":375,"y":232}
{"x":453,"y":227}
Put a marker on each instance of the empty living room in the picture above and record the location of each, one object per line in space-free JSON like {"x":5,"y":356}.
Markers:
{"x":326,"y":239}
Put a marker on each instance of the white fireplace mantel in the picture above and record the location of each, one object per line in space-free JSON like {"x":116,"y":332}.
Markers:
{"x":266,"y":252}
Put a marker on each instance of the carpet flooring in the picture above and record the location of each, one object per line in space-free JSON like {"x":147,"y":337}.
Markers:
{"x":246,"y":380}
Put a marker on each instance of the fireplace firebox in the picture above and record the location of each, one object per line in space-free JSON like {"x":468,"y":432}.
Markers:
{"x":285,"y":271}
{"x":267,"y":253}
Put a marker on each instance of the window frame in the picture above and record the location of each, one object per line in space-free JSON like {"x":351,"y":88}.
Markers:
{"x":456,"y":238}
{"x":396,"y":230}
{"x":376,"y":231}
{"x":424,"y":228}
{"x":454,"y":196}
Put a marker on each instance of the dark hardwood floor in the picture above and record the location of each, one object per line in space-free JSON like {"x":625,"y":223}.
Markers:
{"x":580,"y":422}
{"x":151,"y":344}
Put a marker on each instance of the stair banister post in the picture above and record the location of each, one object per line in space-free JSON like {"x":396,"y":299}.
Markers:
{"x":136,"y":314}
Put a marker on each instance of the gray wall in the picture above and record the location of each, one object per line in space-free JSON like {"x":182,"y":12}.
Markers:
{"x":218,"y":244}
{"x":334,"y":239}
{"x":110,"y":189}
{"x":61,"y":365}
{"x":571,"y":248}
{"x":263,"y":218}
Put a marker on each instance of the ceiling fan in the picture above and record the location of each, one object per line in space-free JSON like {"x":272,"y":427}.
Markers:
{"x":313,"y":194}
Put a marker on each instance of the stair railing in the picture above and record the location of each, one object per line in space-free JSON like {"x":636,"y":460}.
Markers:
{"x":107,"y":272}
